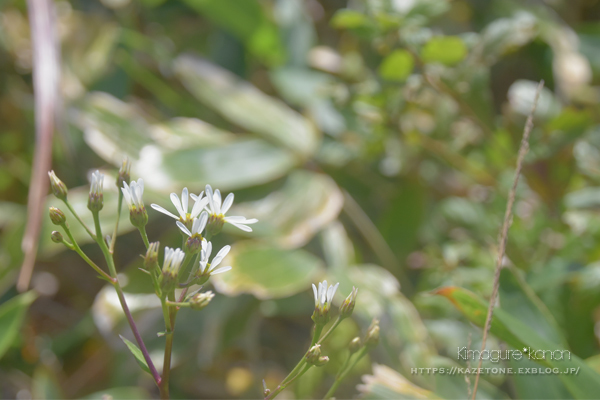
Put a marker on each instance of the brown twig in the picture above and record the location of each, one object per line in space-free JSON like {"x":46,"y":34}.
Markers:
{"x":46,"y":72}
{"x":505,"y":225}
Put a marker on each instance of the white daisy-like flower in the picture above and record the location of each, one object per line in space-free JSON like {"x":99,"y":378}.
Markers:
{"x":207,"y":268}
{"x":173,"y":260}
{"x":197,"y":226}
{"x":218,"y":209}
{"x":324,"y":295}
{"x":132,"y":194}
{"x":182,"y":207}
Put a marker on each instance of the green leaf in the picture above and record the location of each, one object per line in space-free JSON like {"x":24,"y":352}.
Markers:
{"x":585,"y":384}
{"x":179,"y":152}
{"x":304,"y":205}
{"x":397,"y":66}
{"x":348,"y":19}
{"x":247,"y":21}
{"x":12,"y":314}
{"x":267,"y":271}
{"x":245,"y":105}
{"x":448,"y":50}
{"x":137,"y":353}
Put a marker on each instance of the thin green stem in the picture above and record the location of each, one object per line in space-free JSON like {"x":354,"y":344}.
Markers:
{"x":77,"y":249}
{"x":335,"y":325}
{"x":192,"y":271}
{"x":344,"y":372}
{"x":170,"y":325}
{"x":144,"y":236}
{"x":113,"y":273}
{"x":79,"y":218}
{"x":111,"y":249}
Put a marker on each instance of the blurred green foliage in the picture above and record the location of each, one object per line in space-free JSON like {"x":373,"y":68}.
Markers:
{"x":374,"y":140}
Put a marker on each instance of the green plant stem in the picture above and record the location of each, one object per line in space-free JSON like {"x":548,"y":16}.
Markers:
{"x":113,"y":240}
{"x":144,"y":236}
{"x":79,"y":219}
{"x":346,"y":368}
{"x":78,"y":250}
{"x":297,"y":371}
{"x":169,"y":316}
{"x":113,"y":273}
{"x":192,"y":271}
{"x":335,"y":325}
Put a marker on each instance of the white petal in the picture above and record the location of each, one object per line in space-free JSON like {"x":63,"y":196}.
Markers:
{"x":242,"y":227}
{"x":177,"y":204}
{"x":217,"y":198}
{"x":315,"y":292}
{"x":162,"y":210}
{"x":220,"y":270}
{"x":198,"y":206}
{"x":227,"y":203}
{"x":126,"y":195}
{"x":211,"y":202}
{"x":184,"y":228}
{"x":331,"y":292}
{"x":202,"y":266}
{"x":184,"y":199}
{"x":195,"y":225}
{"x":202,"y":222}
{"x":224,"y":251}
{"x":240,"y":220}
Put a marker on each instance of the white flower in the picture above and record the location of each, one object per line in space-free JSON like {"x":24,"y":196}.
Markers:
{"x":197,"y":226}
{"x":173,"y":260}
{"x":182,"y":207}
{"x":207,"y":268}
{"x":217,"y":210}
{"x":133,"y":194}
{"x":323,"y":295}
{"x":97,"y":183}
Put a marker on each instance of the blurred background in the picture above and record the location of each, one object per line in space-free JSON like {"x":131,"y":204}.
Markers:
{"x":374,"y":140}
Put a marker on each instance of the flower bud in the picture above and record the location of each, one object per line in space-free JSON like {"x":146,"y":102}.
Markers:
{"x":57,"y":216}
{"x":266,"y":390}
{"x":322,"y":361}
{"x":59,"y":189}
{"x":57,"y":237}
{"x":312,"y":356}
{"x":355,"y":345}
{"x":348,"y":305}
{"x":124,"y":173}
{"x":96,"y":197}
{"x":372,"y":336}
{"x":151,"y":258}
{"x":201,"y":300}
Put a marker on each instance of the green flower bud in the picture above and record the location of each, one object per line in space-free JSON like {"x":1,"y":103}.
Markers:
{"x":57,"y":216}
{"x":372,"y":336}
{"x":57,"y":237}
{"x":322,"y":361}
{"x":59,"y":189}
{"x":96,"y":197}
{"x":151,"y":258}
{"x":348,"y":305}
{"x":312,"y":356}
{"x":355,"y":345}
{"x":124,"y":173}
{"x":201,"y":300}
